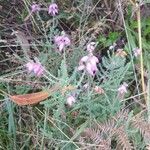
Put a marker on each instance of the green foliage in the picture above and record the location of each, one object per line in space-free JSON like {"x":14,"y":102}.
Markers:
{"x":23,"y":89}
{"x":97,"y":119}
{"x":109,"y":40}
{"x":89,"y":105}
{"x":133,"y":38}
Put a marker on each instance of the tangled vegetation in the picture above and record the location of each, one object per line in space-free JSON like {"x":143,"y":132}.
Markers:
{"x":75,"y":74}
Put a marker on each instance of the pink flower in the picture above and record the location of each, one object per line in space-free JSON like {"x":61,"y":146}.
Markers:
{"x":89,"y":63}
{"x":91,"y":68}
{"x":93,"y":60}
{"x":37,"y":68}
{"x":123,"y":88}
{"x":84,"y":59}
{"x":71,"y":100}
{"x":89,"y":58}
{"x":81,"y":67}
{"x":35,"y":7}
{"x":62,"y":41}
{"x":30,"y":66}
{"x":137,"y":52}
{"x":91,"y":46}
{"x":53,"y":9}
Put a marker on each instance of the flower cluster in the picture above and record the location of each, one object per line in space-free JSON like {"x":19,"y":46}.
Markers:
{"x":52,"y":9}
{"x":62,"y":41}
{"x":35,"y":7}
{"x":89,"y":62}
{"x":36,"y":68}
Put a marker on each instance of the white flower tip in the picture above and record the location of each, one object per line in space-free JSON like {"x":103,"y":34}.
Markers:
{"x":81,"y":67}
{"x":70,"y":100}
{"x":137,"y":52}
{"x":123,"y":88}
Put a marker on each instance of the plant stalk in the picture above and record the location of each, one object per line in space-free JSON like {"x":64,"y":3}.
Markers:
{"x":140,"y":47}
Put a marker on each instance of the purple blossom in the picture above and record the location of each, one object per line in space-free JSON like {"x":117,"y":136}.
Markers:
{"x":30,"y":66}
{"x":123,"y":88}
{"x":35,"y":7}
{"x":81,"y":67}
{"x":93,"y":60}
{"x":91,"y":68}
{"x":89,"y":63}
{"x":53,"y":9}
{"x":37,"y":68}
{"x":62,"y":41}
{"x":71,"y":100}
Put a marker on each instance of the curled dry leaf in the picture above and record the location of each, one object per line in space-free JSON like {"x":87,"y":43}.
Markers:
{"x":33,"y":98}
{"x":29,"y":99}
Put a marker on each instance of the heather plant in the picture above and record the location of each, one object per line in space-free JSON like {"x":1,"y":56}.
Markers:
{"x":76,"y":88}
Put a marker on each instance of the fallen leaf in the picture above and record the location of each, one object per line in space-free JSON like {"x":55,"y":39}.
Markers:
{"x":33,"y":98}
{"x":29,"y":99}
